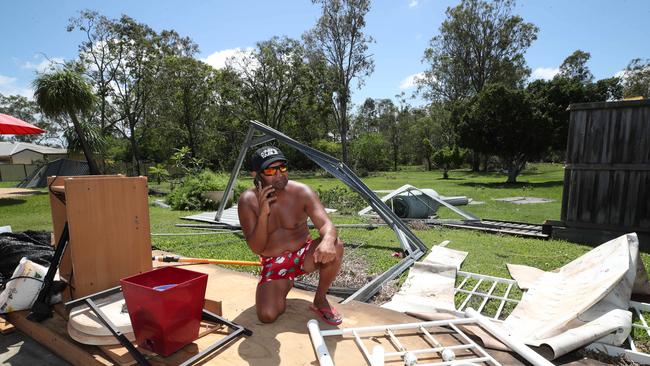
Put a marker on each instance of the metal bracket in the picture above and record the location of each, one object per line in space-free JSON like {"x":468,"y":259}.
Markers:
{"x":42,"y":309}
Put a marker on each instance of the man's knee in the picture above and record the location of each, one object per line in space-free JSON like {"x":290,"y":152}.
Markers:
{"x":268,"y":314}
{"x":339,"y":249}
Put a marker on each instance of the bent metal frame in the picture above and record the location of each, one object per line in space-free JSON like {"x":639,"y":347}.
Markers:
{"x":259,"y":134}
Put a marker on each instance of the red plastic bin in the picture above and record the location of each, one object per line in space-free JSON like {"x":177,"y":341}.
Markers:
{"x":166,"y":319}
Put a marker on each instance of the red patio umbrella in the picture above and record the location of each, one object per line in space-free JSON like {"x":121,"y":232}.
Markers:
{"x":13,"y":126}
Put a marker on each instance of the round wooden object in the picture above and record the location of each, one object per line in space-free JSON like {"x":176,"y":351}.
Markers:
{"x":83,"y":319}
{"x":96,"y":340}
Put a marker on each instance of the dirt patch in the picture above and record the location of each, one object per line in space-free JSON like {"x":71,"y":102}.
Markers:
{"x":610,"y":360}
{"x":354,"y":275}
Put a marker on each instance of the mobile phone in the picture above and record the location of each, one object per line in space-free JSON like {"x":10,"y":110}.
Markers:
{"x":258,"y":182}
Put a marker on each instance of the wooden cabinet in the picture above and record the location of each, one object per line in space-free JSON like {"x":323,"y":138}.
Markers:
{"x":108,"y":221}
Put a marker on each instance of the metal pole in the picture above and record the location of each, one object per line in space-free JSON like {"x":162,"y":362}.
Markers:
{"x":234,"y":173}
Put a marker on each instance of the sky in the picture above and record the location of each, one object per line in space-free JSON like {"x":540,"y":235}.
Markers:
{"x":33,"y":33}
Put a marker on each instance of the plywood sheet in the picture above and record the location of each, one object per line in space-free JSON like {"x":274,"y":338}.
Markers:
{"x":110,"y":238}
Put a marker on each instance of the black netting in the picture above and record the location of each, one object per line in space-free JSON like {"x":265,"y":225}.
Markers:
{"x":35,"y":245}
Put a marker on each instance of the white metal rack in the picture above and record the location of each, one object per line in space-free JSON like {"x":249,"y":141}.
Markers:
{"x":494,"y":283}
{"x":472,"y":352}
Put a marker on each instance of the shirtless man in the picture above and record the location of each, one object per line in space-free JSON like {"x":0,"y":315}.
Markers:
{"x":273,"y":217}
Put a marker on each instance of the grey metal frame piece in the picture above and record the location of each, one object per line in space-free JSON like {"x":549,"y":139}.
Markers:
{"x":410,"y":243}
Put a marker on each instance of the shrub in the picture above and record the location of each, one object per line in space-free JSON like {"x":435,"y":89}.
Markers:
{"x":188,"y":195}
{"x":370,"y":153}
{"x":342,"y":199}
{"x":159,"y":173}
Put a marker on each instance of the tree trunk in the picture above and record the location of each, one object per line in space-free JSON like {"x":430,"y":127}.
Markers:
{"x":429,"y":164}
{"x":476,"y":161}
{"x":135,"y":153}
{"x":92,"y":165}
{"x":513,"y":172}
{"x":343,"y":105}
{"x":395,"y":153}
{"x":486,"y":159}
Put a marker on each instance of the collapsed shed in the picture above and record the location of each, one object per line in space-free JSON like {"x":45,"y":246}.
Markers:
{"x":59,"y":168}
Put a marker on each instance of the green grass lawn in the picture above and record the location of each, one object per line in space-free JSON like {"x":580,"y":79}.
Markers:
{"x":9,"y":184}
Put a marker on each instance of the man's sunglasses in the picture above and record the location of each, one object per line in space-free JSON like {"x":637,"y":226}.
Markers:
{"x":270,"y":171}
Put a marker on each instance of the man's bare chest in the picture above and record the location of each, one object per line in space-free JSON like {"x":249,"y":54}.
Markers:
{"x":287,"y":216}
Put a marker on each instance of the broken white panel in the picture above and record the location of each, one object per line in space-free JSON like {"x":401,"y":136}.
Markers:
{"x":443,"y":255}
{"x":585,"y":290}
{"x":610,"y":328}
{"x":524,"y":275}
{"x":429,"y":286}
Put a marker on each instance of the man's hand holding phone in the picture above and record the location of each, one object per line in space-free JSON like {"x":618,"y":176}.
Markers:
{"x":265,"y":197}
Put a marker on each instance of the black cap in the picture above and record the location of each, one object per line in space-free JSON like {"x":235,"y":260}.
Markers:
{"x":265,"y":156}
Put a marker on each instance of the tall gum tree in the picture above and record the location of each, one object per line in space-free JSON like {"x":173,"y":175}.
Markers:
{"x":338,"y":35}
{"x":479,"y":43}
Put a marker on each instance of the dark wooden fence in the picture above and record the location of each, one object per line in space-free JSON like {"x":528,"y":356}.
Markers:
{"x":607,"y":174}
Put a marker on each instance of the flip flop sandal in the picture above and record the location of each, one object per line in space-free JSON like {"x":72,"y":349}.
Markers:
{"x":331,"y":317}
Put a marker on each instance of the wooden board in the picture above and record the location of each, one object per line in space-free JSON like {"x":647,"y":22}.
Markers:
{"x":5,"y":326}
{"x":108,"y":219}
{"x":52,"y":334}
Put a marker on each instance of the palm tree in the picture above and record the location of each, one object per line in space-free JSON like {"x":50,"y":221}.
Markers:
{"x":65,"y":92}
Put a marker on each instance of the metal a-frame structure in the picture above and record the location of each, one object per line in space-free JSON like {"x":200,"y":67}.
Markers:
{"x":411,"y":244}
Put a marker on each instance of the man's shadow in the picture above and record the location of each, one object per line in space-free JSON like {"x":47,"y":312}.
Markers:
{"x":263,"y":347}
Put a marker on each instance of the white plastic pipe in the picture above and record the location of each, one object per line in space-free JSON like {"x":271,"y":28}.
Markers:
{"x":517,"y":346}
{"x":378,"y":356}
{"x":324,"y":358}
{"x":382,"y":328}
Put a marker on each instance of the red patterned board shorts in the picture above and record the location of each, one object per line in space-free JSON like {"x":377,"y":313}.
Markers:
{"x":286,"y":266}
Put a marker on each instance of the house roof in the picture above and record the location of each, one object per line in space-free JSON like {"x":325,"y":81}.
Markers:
{"x":11,"y":148}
